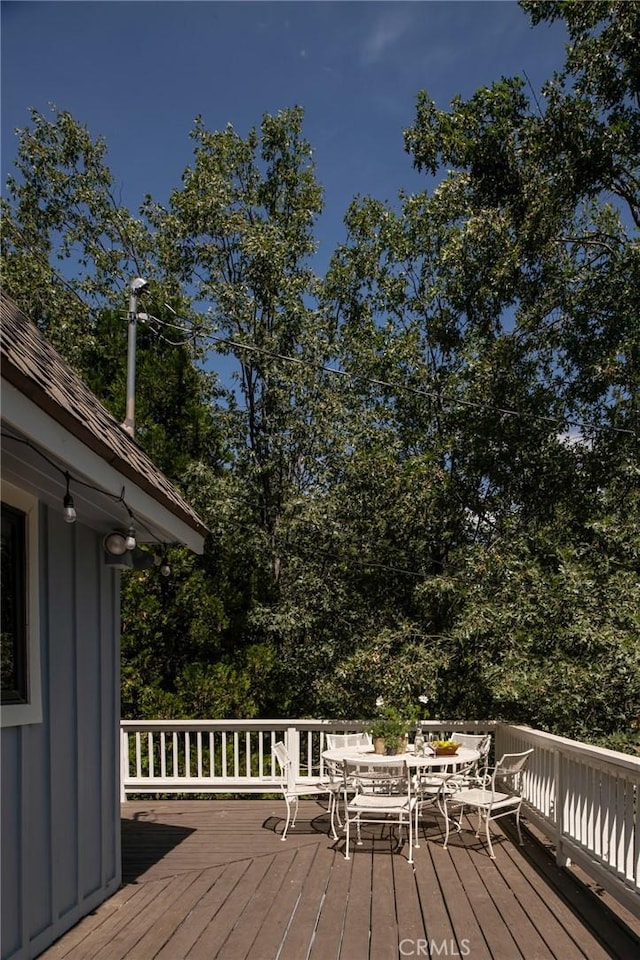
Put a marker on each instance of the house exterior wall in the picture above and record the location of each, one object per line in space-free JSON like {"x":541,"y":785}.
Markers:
{"x":60,"y":800}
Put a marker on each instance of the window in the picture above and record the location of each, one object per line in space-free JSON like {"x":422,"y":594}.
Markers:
{"x":19,"y":623}
{"x":13,"y":614}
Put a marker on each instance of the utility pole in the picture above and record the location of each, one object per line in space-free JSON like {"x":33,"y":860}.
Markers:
{"x":137,"y":286}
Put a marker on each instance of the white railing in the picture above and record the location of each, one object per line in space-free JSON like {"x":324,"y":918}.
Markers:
{"x":229,"y":756}
{"x":584,"y":799}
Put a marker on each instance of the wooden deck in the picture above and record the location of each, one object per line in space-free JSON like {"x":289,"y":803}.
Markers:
{"x":212,"y":880}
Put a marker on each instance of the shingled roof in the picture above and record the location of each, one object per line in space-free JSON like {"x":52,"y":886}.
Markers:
{"x":37,"y":370}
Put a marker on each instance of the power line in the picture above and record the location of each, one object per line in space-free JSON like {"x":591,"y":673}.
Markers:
{"x":407,"y":388}
{"x":398,"y":385}
{"x":354,"y":377}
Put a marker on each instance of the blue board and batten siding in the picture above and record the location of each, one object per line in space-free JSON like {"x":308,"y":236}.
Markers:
{"x":60,"y":799}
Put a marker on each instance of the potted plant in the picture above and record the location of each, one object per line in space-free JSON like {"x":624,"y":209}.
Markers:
{"x":388,"y":729}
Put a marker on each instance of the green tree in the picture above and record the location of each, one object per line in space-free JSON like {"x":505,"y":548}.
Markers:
{"x":239,"y":233}
{"x":69,"y":252}
{"x":452,"y":511}
{"x":553,"y":614}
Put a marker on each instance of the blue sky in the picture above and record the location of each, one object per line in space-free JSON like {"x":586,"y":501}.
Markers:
{"x":138,"y":73}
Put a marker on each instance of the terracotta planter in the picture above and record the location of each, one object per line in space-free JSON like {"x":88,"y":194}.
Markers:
{"x":379,"y":745}
{"x":446,"y":751}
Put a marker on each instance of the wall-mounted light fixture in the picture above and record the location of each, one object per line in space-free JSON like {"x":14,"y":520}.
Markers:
{"x":120,"y":556}
{"x":115,"y":544}
{"x":116,"y":553}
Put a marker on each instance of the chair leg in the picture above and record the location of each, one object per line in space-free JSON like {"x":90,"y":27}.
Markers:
{"x":337,"y":809}
{"x":479,"y":827}
{"x":488,"y":826}
{"x":521,"y":841}
{"x":410,"y":827}
{"x":333,"y":804}
{"x":286,"y":826}
{"x":400,"y":825}
{"x":446,"y":824}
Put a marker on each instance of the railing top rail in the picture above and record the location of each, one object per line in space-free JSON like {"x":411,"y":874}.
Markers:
{"x":576,"y":747}
{"x":229,"y":726}
{"x":280,"y":724}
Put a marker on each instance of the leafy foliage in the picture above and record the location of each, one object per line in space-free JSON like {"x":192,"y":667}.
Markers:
{"x":453,"y":511}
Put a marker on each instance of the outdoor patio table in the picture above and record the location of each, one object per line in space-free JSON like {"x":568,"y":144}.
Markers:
{"x":464,"y":756}
{"x":360,"y":754}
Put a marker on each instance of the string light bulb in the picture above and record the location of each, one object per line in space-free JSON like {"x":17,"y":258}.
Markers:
{"x":69,"y":507}
{"x":165,"y":569}
{"x":130,"y":542}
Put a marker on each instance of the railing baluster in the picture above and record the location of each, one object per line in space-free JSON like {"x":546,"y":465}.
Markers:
{"x":620,"y":823}
{"x":224,"y":753}
{"x":636,"y":837}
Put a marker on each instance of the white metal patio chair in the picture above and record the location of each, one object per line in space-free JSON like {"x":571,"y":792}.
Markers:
{"x":500,"y":796}
{"x":292,"y":790}
{"x":476,"y":774}
{"x":382,"y":793}
{"x":433,"y":789}
{"x":333,"y":768}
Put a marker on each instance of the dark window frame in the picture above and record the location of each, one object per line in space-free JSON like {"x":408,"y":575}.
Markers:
{"x":14,"y":607}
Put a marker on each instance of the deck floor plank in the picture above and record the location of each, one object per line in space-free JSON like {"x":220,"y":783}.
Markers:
{"x":90,"y":924}
{"x":215,"y":935}
{"x":212,"y":880}
{"x":256,"y":914}
{"x":273,"y":934}
{"x":302,"y":929}
{"x":125,"y":941}
{"x":497,"y":906}
{"x":588,"y":924}
{"x":357,"y":921}
{"x":437,"y":924}
{"x":468,"y":932}
{"x":199,"y":918}
{"x":123,"y":919}
{"x":329,"y":932}
{"x":411,"y":927}
{"x":173,"y":914}
{"x":384,"y":923}
{"x":557,"y":942}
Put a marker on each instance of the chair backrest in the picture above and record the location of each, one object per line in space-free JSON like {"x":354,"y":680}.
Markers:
{"x":367,"y":776}
{"x":337,"y":740}
{"x":475,"y":741}
{"x":507,"y":773}
{"x":282,"y":756}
